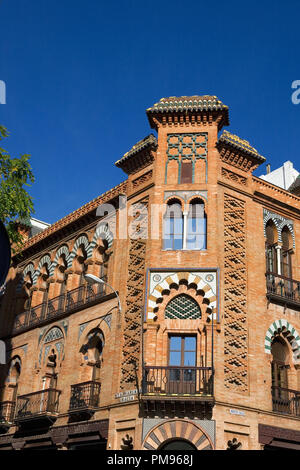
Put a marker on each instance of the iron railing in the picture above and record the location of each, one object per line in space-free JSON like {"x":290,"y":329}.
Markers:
{"x":84,"y":395}
{"x":283,"y":288}
{"x":286,"y":401}
{"x":43,"y":402}
{"x":7,"y":411}
{"x":173,"y":380}
{"x":60,"y":305}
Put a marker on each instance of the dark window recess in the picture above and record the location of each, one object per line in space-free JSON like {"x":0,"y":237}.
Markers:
{"x":186,"y":172}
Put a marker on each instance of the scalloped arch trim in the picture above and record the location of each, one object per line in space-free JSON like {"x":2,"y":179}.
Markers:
{"x":292,"y":337}
{"x":177,"y":429}
{"x":176,"y":278}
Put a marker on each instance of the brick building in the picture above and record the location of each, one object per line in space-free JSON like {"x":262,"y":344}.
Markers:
{"x":191,"y":340}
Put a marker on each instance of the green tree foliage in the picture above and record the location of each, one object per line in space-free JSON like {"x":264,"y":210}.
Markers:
{"x":16,"y":205}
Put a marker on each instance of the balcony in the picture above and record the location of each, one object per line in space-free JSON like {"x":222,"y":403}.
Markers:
{"x":177,"y":386}
{"x":283,"y":290}
{"x":7,"y":411}
{"x":84,"y":398}
{"x":42,"y":405}
{"x":61,"y":305}
{"x":286,"y":401}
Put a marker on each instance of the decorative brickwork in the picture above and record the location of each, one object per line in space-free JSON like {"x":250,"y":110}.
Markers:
{"x":142,"y":179}
{"x":86,"y":209}
{"x":163,"y":281}
{"x":234,"y":177}
{"x":134,"y":304}
{"x":193,"y":338}
{"x":235,"y":296}
{"x":187,"y":147}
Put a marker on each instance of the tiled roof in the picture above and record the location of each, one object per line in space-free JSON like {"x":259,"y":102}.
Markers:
{"x":149,"y":141}
{"x":136,"y":157}
{"x":240,"y":144}
{"x":187,"y":103}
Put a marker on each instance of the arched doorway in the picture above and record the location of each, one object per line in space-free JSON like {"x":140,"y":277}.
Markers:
{"x":177,"y":434}
{"x":178,"y":444}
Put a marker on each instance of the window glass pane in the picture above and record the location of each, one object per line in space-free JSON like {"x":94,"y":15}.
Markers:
{"x":196,"y":231}
{"x":196,"y":225}
{"x":204,"y":246}
{"x":190,"y":343}
{"x":189,"y":358}
{"x":201,"y":225}
{"x":168,"y":225}
{"x":175,"y":358}
{"x":191,"y":244}
{"x":178,"y":226}
{"x":177,"y":244}
{"x":168,"y":243}
{"x":175,"y":343}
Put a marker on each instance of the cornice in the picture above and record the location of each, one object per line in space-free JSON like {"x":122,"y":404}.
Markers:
{"x":188,"y":109}
{"x":75,"y":216}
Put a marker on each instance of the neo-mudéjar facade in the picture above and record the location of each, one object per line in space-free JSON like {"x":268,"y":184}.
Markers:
{"x":165,"y":313}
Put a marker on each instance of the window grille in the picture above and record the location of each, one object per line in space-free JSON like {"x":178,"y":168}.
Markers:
{"x":183,"y":307}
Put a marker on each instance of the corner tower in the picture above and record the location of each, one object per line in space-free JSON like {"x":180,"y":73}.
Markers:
{"x":187,"y":129}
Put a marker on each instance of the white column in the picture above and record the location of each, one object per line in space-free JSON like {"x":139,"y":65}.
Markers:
{"x":185,"y":217}
{"x":278,"y":249}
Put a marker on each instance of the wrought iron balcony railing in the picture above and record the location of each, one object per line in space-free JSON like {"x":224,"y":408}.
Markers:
{"x":65,"y":303}
{"x":37,"y":404}
{"x":286,"y":401}
{"x":84,"y":396}
{"x":181,"y":381}
{"x":283,"y":289}
{"x":7,"y":411}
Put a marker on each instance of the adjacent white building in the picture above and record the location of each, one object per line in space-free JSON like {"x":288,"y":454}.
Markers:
{"x":283,"y":177}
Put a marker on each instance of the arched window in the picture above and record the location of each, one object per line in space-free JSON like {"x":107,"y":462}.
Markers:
{"x":13,"y":377}
{"x":51,"y":355}
{"x":173,"y":226}
{"x":271,"y":239}
{"x":92,"y":351}
{"x":280,"y":367}
{"x":52,"y":335}
{"x":196,"y":226}
{"x":287,"y":251}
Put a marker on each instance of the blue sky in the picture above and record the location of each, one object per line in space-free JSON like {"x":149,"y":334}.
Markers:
{"x":80,"y":75}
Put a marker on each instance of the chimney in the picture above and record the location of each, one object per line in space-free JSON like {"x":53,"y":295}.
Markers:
{"x":268,"y":168}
